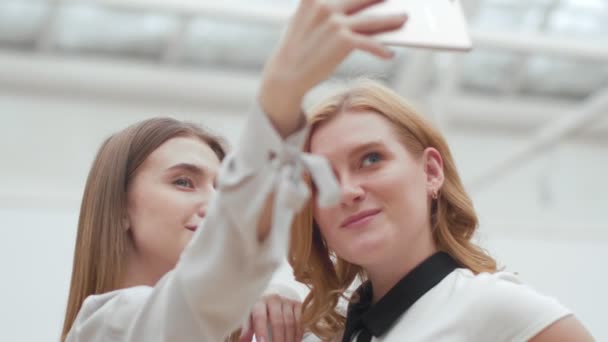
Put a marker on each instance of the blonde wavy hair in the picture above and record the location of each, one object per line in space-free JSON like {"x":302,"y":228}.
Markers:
{"x":453,"y":218}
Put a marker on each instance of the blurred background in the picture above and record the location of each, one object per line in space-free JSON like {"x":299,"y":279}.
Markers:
{"x":526,"y":115}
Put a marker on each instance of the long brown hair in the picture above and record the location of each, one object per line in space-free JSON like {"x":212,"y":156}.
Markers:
{"x":453,"y":218}
{"x":102,"y":241}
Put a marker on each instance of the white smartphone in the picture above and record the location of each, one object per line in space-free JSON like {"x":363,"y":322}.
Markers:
{"x":434,"y":24}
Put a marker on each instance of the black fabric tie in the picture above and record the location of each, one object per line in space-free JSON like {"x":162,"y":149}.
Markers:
{"x":364,"y":336}
{"x":369,"y":320}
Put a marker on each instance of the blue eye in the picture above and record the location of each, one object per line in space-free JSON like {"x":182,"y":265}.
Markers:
{"x":370,"y":158}
{"x":184,"y":182}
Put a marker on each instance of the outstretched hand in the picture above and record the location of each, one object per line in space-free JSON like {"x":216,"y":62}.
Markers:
{"x":320,"y":35}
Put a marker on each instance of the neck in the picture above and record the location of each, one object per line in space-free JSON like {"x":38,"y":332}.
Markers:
{"x":137,"y":272}
{"x":386,"y":274}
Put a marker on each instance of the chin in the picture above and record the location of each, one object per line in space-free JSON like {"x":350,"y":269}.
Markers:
{"x":366,"y":252}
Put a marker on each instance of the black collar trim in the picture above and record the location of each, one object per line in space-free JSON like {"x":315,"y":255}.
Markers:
{"x":379,"y":318}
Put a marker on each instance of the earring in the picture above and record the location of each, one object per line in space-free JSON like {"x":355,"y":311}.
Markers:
{"x":434,"y":194}
{"x":125,"y":224}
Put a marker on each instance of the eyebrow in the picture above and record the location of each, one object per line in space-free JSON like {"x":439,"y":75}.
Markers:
{"x":366,"y":146}
{"x":189,"y":168}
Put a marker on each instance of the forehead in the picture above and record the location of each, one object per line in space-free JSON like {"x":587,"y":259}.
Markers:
{"x":349,"y":130}
{"x":178,"y":150}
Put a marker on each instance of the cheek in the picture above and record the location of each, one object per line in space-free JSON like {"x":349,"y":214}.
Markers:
{"x":148,"y":209}
{"x":156,"y":219}
{"x":321,"y":217}
{"x":326,"y":221}
{"x":405,"y":194}
{"x":160,"y":240}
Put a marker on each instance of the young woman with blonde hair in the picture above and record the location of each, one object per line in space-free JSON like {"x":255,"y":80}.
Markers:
{"x":161,"y":255}
{"x":404,"y":226}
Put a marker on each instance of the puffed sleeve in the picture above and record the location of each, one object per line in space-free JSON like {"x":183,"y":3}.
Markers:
{"x":224,"y":269}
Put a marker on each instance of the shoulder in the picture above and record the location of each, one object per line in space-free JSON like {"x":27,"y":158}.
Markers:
{"x":505,"y":290}
{"x":118,"y":298}
{"x":103,"y":310}
{"x":508,"y":308}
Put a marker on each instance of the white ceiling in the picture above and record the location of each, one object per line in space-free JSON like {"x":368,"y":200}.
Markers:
{"x":537,"y":77}
{"x":555,"y":49}
{"x":540,"y":59}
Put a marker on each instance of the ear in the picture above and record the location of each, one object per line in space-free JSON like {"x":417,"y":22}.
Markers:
{"x":125,"y":222}
{"x":433,"y":168}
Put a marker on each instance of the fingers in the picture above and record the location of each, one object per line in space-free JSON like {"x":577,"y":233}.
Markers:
{"x":297,"y":314}
{"x":372,"y":46}
{"x":259,"y":321}
{"x":320,"y":35}
{"x":353,"y":6}
{"x":376,"y":24}
{"x":357,"y":30}
{"x":283,"y":317}
{"x":289,"y":321}
{"x":361,"y":27}
{"x":246,"y":331}
{"x":275,"y":314}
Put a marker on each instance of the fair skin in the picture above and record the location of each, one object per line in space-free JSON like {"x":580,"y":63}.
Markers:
{"x":167,"y":201}
{"x":378,"y":222}
{"x":320,"y":36}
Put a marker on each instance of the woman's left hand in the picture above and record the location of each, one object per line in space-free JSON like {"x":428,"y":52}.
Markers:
{"x":276,"y":315}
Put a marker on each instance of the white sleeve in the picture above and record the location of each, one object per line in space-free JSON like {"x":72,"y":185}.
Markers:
{"x":511,"y":311}
{"x":310,"y":337}
{"x":224,"y":269}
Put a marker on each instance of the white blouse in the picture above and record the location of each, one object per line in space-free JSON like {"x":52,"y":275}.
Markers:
{"x":484,"y":307}
{"x":465,"y":307}
{"x":224,"y":269}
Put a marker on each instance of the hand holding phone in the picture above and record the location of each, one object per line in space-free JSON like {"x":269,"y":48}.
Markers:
{"x":434,"y":24}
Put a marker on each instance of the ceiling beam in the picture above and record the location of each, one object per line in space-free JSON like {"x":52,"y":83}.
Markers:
{"x":278,"y":15}
{"x":441,"y":97}
{"x":126,"y":80}
{"x":518,"y":68}
{"x":47,"y":30}
{"x":414,"y":74}
{"x":543,"y":44}
{"x":544,"y":138}
{"x":240,"y":12}
{"x":174,"y":48}
{"x":145,"y":82}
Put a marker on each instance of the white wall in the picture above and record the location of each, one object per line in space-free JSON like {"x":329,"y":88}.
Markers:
{"x":50,"y":142}
{"x":545,"y":220}
{"x":36,"y":258}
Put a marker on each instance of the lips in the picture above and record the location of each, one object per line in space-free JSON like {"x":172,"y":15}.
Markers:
{"x":359,"y":218}
{"x":192,"y":228}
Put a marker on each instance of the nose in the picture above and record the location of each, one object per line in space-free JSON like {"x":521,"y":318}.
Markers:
{"x":201,"y":211}
{"x":205,"y":196}
{"x":352,"y":192}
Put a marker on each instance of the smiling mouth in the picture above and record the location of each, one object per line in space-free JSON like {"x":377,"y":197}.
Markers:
{"x":192,"y":228}
{"x":360,"y":218}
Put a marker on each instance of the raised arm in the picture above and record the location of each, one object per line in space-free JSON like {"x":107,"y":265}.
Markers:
{"x":244,"y":237}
